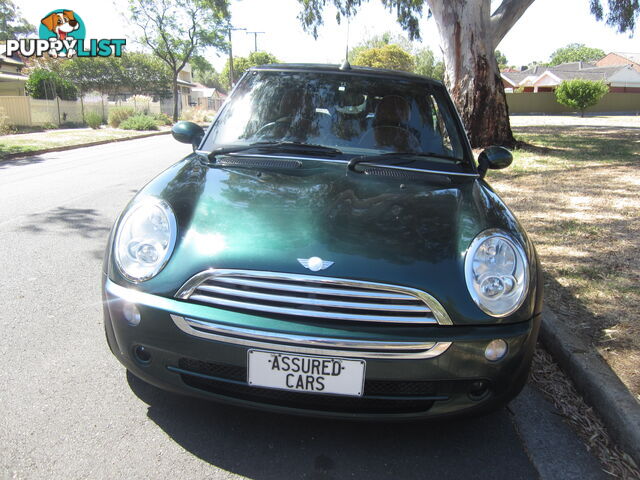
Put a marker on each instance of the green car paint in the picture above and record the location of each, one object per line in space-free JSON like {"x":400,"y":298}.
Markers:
{"x":412,"y":232}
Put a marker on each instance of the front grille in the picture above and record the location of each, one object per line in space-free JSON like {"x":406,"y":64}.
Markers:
{"x":306,"y":401}
{"x":288,"y":295}
{"x":380,"y":396}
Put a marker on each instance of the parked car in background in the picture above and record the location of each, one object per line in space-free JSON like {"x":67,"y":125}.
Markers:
{"x":332,"y":248}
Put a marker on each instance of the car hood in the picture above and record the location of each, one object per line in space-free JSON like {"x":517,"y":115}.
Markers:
{"x":404,"y":232}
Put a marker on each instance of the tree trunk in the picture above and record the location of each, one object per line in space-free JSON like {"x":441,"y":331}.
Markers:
{"x":472,"y":73}
{"x":175,"y":98}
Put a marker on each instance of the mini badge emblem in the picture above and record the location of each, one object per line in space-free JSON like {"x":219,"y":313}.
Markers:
{"x":314,"y":263}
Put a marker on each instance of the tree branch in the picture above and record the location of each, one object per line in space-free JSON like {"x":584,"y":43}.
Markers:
{"x":505,"y":17}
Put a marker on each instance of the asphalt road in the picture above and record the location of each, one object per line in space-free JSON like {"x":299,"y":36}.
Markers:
{"x":68,"y":409}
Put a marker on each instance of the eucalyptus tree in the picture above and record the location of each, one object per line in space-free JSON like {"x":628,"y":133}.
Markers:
{"x":470,"y":31}
{"x":175,"y":31}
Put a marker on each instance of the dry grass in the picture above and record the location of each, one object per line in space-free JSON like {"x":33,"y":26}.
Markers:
{"x":548,"y":378}
{"x":576,"y":190}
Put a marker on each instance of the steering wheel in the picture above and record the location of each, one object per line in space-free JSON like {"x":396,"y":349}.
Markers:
{"x":267,"y":127}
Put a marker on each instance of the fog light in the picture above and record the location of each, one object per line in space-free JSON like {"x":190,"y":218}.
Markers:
{"x":495,"y":350}
{"x":131,"y":314}
{"x":142,"y":355}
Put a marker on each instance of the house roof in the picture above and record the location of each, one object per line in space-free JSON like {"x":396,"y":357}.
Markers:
{"x":633,"y":57}
{"x":12,"y":77}
{"x":514,"y":78}
{"x":565,"y":71}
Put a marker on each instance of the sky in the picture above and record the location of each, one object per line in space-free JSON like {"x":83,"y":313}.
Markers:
{"x":545,"y":26}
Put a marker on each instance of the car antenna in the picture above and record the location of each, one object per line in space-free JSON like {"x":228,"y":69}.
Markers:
{"x":346,"y":65}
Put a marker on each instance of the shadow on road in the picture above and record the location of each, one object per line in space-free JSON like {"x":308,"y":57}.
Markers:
{"x":19,"y":161}
{"x":263,"y":446}
{"x":85,"y":221}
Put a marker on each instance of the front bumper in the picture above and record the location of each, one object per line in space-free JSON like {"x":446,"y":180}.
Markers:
{"x":442,"y":383}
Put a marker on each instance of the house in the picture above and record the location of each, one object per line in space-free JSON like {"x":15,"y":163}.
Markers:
{"x":185,"y":85}
{"x":620,"y":58}
{"x":622,"y":78}
{"x":207,"y":98}
{"x":11,"y":80}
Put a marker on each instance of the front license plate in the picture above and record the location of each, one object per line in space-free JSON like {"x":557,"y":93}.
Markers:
{"x":304,"y":373}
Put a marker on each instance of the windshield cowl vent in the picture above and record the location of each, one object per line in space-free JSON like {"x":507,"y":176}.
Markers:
{"x":247,"y":162}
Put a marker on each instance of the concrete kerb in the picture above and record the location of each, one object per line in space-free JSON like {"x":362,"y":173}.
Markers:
{"x":597,"y":383}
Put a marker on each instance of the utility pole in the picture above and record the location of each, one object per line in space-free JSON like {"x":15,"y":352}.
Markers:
{"x":255,"y":40}
{"x":231,"y":76}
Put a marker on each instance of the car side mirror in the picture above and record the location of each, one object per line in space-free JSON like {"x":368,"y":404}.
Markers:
{"x":188,"y":132}
{"x":495,"y":158}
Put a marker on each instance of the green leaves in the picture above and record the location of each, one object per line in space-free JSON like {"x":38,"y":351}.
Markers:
{"x":46,"y":84}
{"x":175,"y":31}
{"x":12,"y":24}
{"x":389,"y":56}
{"x":621,"y":14}
{"x":576,"y":52}
{"x":580,"y":94}
{"x":242,"y":64}
{"x":133,"y":73}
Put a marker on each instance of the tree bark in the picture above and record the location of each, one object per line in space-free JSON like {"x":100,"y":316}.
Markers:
{"x":175,"y":97}
{"x":468,"y":43}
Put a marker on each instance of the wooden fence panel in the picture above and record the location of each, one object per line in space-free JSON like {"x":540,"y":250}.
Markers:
{"x":26,"y":111}
{"x":17,"y":110}
{"x":545,"y":103}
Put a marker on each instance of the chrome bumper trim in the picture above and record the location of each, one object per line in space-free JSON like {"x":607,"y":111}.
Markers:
{"x":309,"y":345}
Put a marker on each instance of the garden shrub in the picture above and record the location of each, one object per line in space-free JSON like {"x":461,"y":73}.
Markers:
{"x":163,"y":119}
{"x":93,"y":119}
{"x":118,"y":114}
{"x":139,"y":122}
{"x":581,"y":94}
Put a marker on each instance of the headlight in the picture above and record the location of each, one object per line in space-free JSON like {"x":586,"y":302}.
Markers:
{"x":145,"y":239}
{"x":497,"y":273}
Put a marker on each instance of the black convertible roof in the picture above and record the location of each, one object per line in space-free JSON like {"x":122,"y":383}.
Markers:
{"x":353,"y":70}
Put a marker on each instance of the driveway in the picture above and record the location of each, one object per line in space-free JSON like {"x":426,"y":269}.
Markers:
{"x":69,"y":409}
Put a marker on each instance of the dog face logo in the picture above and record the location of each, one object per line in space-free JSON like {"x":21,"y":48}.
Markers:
{"x":61,"y":23}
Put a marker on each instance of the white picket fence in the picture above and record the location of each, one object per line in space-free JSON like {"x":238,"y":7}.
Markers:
{"x":27,"y":111}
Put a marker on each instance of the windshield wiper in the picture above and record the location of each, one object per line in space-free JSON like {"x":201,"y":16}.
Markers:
{"x":275,"y":145}
{"x":403,"y":158}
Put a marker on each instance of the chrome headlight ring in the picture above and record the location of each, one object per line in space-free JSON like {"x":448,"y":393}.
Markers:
{"x":497,"y":273}
{"x":144,"y":239}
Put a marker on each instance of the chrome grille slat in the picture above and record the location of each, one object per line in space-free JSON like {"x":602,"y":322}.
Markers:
{"x":314,"y":301}
{"x":282,"y":295}
{"x":310,"y":313}
{"x":337,"y":292}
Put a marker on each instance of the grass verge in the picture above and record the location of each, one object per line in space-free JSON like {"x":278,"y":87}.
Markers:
{"x":575,"y":190}
{"x":33,"y":142}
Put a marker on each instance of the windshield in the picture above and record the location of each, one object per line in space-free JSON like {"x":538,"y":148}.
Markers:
{"x":356,"y":114}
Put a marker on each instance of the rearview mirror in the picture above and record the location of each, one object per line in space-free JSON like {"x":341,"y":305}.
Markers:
{"x":495,"y":158}
{"x":188,"y":132}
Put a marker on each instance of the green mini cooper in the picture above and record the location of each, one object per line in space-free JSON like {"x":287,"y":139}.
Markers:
{"x":329,"y":248}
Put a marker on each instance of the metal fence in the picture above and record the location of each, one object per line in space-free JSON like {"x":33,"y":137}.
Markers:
{"x":545,"y":102}
{"x":27,"y":111}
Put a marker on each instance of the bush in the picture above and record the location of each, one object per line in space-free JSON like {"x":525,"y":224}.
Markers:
{"x":163,"y":119}
{"x":93,"y":119}
{"x":46,"y":85}
{"x":196,"y":114}
{"x":118,"y":114}
{"x":581,"y":94}
{"x":139,"y":122}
